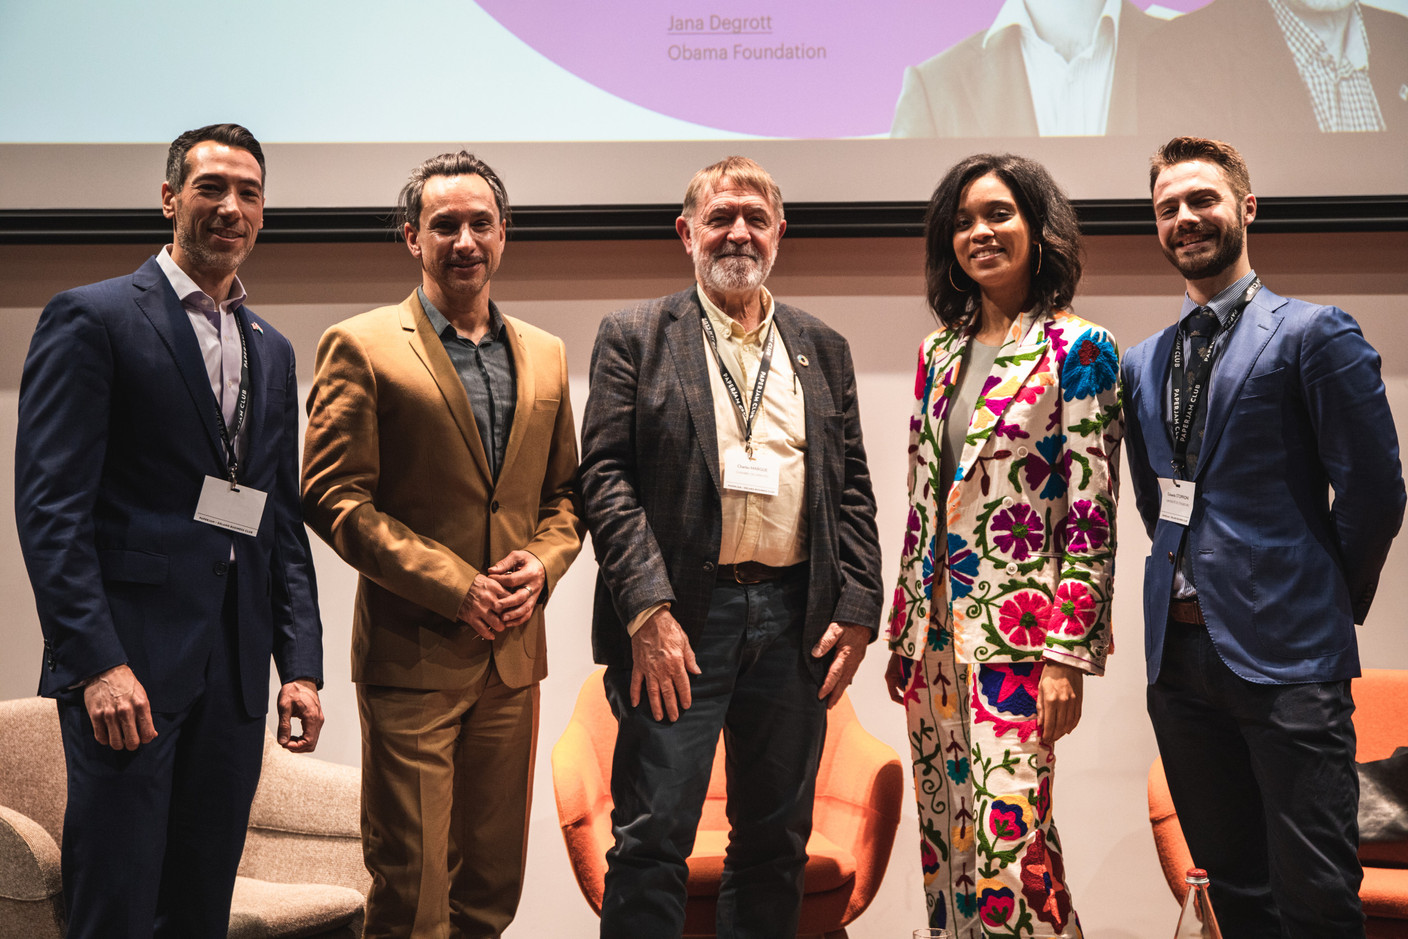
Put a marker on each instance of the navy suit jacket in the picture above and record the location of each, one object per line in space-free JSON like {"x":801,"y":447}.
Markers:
{"x":117,"y":432}
{"x":651,"y":483}
{"x":1296,"y":408}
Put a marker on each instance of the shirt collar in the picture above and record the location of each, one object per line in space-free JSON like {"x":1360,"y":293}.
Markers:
{"x":440,"y":324}
{"x":728,"y":325}
{"x":1014,"y":13}
{"x":1299,"y":35}
{"x":189,"y":293}
{"x":1222,"y":304}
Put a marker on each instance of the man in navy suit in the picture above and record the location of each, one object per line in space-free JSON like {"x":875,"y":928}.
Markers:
{"x":1242,"y":418}
{"x":156,"y":495}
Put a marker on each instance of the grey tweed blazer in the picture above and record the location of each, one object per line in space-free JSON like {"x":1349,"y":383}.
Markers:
{"x":651,"y":484}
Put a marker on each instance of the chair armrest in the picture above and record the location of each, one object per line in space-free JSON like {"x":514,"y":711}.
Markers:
{"x":29,"y":859}
{"x":305,"y":824}
{"x":860,"y":794}
{"x":1174,"y":856}
{"x":583,"y":809}
{"x":577,"y":779}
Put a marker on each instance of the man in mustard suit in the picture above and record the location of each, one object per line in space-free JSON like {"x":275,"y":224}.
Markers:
{"x":441,"y":463}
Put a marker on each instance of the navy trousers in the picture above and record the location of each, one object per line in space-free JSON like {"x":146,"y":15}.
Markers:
{"x":1264,"y":782}
{"x":153,"y":836}
{"x":756,"y":689}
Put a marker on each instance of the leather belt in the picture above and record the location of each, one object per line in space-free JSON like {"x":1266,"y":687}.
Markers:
{"x":751,"y":572}
{"x":1187,"y":612}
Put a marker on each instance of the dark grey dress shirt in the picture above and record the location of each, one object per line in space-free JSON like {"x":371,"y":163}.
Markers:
{"x":486,"y":371}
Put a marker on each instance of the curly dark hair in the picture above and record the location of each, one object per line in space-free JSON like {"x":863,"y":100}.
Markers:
{"x":1048,"y":213}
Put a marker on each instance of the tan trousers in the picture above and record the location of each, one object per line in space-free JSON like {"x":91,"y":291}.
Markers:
{"x":447,"y":780}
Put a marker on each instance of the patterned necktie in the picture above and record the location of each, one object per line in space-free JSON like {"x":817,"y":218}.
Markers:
{"x":1200,"y":327}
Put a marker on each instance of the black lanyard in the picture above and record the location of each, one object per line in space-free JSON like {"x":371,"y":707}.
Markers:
{"x":228,"y":434}
{"x":1183,"y":411}
{"x":764,"y":366}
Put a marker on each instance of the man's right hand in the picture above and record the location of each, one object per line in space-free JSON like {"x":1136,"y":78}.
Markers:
{"x":477,"y":607}
{"x":118,"y":707}
{"x":662,"y":662}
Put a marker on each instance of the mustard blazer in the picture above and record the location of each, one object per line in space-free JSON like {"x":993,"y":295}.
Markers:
{"x":396,"y":480}
{"x":1016,"y":561}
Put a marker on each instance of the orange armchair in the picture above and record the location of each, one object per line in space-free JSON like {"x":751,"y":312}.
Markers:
{"x":1378,"y":725}
{"x":859,"y":791}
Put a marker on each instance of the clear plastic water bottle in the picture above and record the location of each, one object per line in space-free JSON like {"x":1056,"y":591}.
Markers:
{"x":1197,"y":920}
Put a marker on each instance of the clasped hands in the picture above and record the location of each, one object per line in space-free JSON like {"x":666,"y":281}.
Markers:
{"x":504,"y":595}
{"x":662,"y":661}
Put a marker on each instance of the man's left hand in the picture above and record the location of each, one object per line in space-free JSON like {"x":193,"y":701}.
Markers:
{"x":523,"y":576}
{"x":299,"y":698}
{"x":849,"y":641}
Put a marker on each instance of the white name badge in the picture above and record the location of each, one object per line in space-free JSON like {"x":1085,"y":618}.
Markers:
{"x":759,"y":473}
{"x":236,"y":509}
{"x":1177,"y":504}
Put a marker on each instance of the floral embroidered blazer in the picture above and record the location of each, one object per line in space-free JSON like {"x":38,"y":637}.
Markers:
{"x":1020,"y":565}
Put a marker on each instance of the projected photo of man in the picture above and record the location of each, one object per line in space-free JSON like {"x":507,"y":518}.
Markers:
{"x":1281,"y":67}
{"x":1043,"y":68}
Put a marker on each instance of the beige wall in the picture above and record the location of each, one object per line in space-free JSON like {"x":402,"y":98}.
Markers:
{"x":872,"y":291}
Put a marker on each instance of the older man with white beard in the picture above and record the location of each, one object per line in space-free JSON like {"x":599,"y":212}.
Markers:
{"x":731,"y":510}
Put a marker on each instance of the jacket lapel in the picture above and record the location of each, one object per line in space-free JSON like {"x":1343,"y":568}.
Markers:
{"x":816,"y":396}
{"x":685,"y":337}
{"x":1259,"y":323}
{"x":429,"y":350}
{"x":258,"y":394}
{"x":1026,"y":345}
{"x":1152,"y":398}
{"x":998,"y":92}
{"x":526,"y":382}
{"x":162,"y":308}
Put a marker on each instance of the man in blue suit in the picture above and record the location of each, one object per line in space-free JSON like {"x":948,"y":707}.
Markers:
{"x":156,"y":495}
{"x":1242,"y":418}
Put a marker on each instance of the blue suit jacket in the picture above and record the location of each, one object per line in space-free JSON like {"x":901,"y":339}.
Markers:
{"x":1296,"y":408}
{"x":117,"y":432}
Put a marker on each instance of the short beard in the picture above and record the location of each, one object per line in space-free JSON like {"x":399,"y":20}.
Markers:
{"x":1228,"y":250}
{"x":203,"y":256}
{"x":731,"y":273}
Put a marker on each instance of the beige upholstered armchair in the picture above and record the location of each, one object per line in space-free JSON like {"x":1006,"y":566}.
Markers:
{"x":301,"y":874}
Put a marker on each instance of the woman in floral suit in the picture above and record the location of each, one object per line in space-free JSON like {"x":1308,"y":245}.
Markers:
{"x":1003,"y":603}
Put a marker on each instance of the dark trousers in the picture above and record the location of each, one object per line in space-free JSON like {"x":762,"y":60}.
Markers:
{"x":1264,"y":782}
{"x":153,"y":836}
{"x":755,"y":687}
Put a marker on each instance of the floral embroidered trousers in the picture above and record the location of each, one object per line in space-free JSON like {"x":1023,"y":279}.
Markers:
{"x":990,"y":851}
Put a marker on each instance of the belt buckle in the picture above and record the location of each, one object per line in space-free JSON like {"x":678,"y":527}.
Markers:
{"x":741,"y":575}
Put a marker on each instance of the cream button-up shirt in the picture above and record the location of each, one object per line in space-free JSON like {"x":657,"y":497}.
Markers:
{"x":770,"y":530}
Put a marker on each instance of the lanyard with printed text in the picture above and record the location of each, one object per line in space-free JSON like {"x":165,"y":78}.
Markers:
{"x":229,"y":434}
{"x":764,"y":366}
{"x":1184,"y":410}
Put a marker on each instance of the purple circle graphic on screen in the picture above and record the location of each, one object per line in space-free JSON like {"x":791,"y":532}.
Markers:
{"x":774,"y":68}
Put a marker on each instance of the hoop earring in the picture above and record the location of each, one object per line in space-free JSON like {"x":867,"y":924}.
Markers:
{"x":951,"y":283}
{"x":1038,"y":260}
